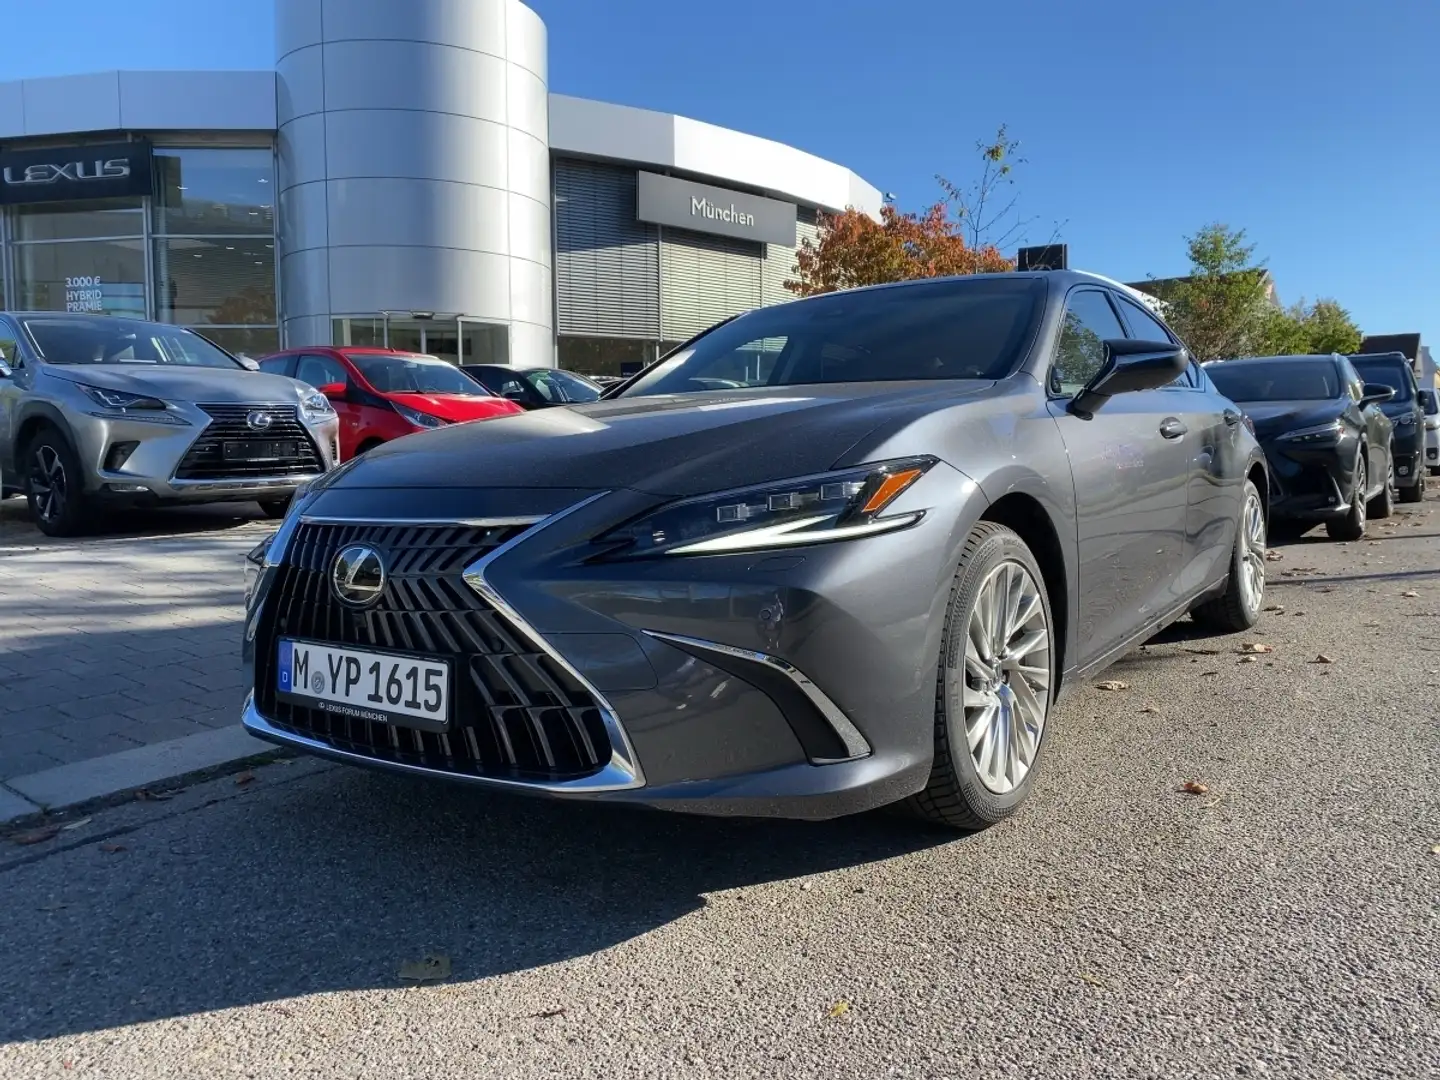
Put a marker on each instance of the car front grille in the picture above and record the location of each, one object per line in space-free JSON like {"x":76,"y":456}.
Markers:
{"x":205,"y":459}
{"x":517,"y":714}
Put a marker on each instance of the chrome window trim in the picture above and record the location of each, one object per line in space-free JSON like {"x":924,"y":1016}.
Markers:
{"x":855,"y":744}
{"x":471,"y":523}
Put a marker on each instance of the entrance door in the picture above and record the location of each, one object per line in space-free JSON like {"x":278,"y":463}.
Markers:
{"x":481,"y":342}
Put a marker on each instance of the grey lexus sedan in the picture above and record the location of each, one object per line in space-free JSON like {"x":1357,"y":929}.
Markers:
{"x":829,"y":555}
{"x":97,"y":411}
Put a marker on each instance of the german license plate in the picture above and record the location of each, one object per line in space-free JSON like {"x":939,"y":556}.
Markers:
{"x":410,"y":691}
{"x":258,"y":449}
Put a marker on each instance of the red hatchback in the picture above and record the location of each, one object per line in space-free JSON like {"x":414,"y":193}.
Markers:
{"x":382,"y":394}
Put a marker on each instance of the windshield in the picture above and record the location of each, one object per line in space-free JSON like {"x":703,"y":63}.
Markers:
{"x":1284,"y":380}
{"x":562,"y":387}
{"x":415,"y":374}
{"x":92,"y":339}
{"x":968,"y":329}
{"x":1394,"y":373}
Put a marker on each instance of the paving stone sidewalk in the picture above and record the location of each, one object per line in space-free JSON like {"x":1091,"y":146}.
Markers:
{"x":111,"y":643}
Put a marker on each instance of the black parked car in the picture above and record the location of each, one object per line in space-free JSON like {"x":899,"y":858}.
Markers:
{"x":862,"y":575}
{"x":1328,"y":443}
{"x":1405,"y":412}
{"x":534,"y":388}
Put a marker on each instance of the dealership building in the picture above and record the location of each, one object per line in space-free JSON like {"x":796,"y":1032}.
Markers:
{"x":402,"y":176}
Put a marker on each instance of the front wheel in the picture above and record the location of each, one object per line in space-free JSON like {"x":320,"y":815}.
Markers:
{"x":993,"y":689}
{"x":1238,"y":607}
{"x":1352,"y":525}
{"x":54,"y":486}
{"x":1383,"y":505}
{"x":1415,"y":493}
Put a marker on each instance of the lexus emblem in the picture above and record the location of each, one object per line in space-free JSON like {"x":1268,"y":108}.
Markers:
{"x":358,"y":575}
{"x":258,"y":420}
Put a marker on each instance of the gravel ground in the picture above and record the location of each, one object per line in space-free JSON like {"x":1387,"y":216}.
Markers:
{"x":1283,"y":923}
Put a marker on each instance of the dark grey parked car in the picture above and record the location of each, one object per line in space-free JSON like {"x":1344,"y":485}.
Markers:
{"x":861,"y":574}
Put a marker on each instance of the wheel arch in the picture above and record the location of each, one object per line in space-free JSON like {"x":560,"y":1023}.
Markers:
{"x":1026,"y":516}
{"x":1259,"y":475}
{"x":33,"y":418}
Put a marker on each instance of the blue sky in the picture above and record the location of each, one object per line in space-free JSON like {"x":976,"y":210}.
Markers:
{"x":1313,"y":124}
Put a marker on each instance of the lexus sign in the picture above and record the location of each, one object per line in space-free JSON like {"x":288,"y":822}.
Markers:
{"x":76,"y":172}
{"x":702,"y":208}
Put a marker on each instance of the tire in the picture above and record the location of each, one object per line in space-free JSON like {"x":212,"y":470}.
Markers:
{"x":1383,"y":505}
{"x":1010,"y":728}
{"x":54,"y":485}
{"x":1238,"y":607}
{"x":366,"y":447}
{"x":1415,"y":493}
{"x":1352,"y":525}
{"x":275,"y":508}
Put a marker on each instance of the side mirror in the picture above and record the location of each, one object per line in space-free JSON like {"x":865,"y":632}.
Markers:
{"x":248,"y":364}
{"x":1376,"y":394}
{"x":1129,"y":366}
{"x":514,"y":395}
{"x":5,"y":371}
{"x":335,"y":391}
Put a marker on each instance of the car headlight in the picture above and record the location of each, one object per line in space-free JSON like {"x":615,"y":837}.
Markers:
{"x":808,"y":510}
{"x":315,"y":406}
{"x":420,"y":419}
{"x":142,"y":407}
{"x":1320,"y":435}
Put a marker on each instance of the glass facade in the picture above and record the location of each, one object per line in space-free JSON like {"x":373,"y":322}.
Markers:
{"x":200,"y":253}
{"x":458,"y":340}
{"x":603,"y":356}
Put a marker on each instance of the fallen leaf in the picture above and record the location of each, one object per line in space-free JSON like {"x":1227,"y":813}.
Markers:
{"x":1092,"y":980}
{"x":1203,"y":674}
{"x":244,"y":778}
{"x":433,"y":968}
{"x":546,"y":1014}
{"x":1435,"y":849}
{"x":75,"y":824}
{"x":1275,"y":607}
{"x":1322,"y":659}
{"x":1151,"y":709}
{"x":36,"y":836}
{"x":1204,"y":652}
{"x":1409,"y":594}
{"x":1112,"y":684}
{"x":806,"y":886}
{"x":1193,"y":787}
{"x":1273,"y":556}
{"x":840,"y":1008}
{"x":111,"y":849}
{"x":1249,"y":660}
{"x":1249,"y":647}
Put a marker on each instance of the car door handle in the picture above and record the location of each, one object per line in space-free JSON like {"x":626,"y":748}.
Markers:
{"x":1172,"y":428}
{"x":1231,"y":417}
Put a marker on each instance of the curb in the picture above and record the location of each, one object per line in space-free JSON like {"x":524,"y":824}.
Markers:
{"x":66,"y":787}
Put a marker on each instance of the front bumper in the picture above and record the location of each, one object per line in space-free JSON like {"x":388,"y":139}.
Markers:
{"x":131,"y":461}
{"x":1310,"y":483}
{"x":796,"y":684}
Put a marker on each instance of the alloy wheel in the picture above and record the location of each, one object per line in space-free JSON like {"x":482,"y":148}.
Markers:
{"x":1252,"y":578}
{"x":1006,"y":691}
{"x":1362,"y":483}
{"x":48,"y":485}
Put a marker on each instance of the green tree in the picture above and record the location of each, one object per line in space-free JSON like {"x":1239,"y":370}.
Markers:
{"x":1221,"y":309}
{"x":1306,"y":329}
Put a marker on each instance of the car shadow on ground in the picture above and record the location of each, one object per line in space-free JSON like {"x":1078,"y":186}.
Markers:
{"x":329,"y":881}
{"x":17,"y":528}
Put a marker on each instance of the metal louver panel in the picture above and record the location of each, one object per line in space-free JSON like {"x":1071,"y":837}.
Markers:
{"x":705,"y":279}
{"x":779,"y":266}
{"x":607,"y":264}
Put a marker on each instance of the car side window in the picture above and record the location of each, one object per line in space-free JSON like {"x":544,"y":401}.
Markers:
{"x":9,"y":351}
{"x":1144,"y":326}
{"x":317,"y":371}
{"x":277,"y":365}
{"x":1354,"y":385}
{"x":1089,"y":322}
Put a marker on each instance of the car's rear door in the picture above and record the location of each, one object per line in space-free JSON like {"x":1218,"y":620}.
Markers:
{"x":1130,"y":484}
{"x":1211,"y":443}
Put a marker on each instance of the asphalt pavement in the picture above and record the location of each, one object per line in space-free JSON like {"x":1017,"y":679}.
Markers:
{"x":1280,"y":922}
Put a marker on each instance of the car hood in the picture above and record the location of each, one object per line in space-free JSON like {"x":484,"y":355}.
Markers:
{"x":675,"y":445}
{"x":179,"y":383}
{"x":1272,"y":418}
{"x":456,"y":407}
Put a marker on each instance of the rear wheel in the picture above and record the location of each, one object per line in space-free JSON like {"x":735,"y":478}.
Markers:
{"x":1238,"y":607}
{"x":54,"y":485}
{"x":993,"y":689}
{"x":1383,"y":505}
{"x":1352,"y":525}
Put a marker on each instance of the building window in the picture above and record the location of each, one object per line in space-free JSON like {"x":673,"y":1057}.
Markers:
{"x":603,"y":356}
{"x":92,"y":219}
{"x":104,"y":276}
{"x":213,"y":253}
{"x":456,"y":340}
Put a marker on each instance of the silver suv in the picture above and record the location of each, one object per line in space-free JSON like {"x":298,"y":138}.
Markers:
{"x":97,"y":410}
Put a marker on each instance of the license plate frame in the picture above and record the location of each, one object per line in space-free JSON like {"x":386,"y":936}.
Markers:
{"x":259,"y":449}
{"x":355,"y":701}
